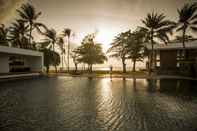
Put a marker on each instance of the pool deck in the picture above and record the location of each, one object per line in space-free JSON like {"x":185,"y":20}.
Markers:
{"x":13,"y":76}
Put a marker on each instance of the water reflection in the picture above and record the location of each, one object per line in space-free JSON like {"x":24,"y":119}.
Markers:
{"x":83,"y":104}
{"x":177,"y":87}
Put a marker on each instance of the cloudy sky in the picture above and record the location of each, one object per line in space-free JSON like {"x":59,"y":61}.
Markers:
{"x":109,"y":17}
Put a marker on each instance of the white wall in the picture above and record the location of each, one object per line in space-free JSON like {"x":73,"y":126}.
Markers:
{"x":33,"y":59}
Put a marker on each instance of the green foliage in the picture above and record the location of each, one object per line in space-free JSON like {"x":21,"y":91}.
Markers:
{"x":29,"y":16}
{"x":119,"y":47}
{"x":18,"y":34}
{"x":51,"y":35}
{"x":128,"y":45}
{"x":90,"y":52}
{"x":75,"y":56}
{"x":3,"y":35}
{"x":187,"y":20}
{"x":135,"y":47}
{"x":51,"y":58}
{"x":155,"y":28}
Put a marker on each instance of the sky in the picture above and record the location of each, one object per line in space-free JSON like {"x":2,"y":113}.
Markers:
{"x":108,"y":17}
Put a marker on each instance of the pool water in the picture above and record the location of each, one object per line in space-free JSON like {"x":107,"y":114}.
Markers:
{"x":98,"y":104}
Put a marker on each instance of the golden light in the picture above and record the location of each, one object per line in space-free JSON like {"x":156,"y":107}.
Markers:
{"x":105,"y":37}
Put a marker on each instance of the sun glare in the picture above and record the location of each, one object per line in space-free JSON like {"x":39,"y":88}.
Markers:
{"x":105,"y":37}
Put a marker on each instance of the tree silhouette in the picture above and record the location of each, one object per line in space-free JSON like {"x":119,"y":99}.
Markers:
{"x":187,"y":20}
{"x":156,"y":27}
{"x":118,"y":47}
{"x":3,"y":35}
{"x":67,"y":34}
{"x":90,"y":52}
{"x":135,"y":47}
{"x":29,"y":15}
{"x":18,"y":34}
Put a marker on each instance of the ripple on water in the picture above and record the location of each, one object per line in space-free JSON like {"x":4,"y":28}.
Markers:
{"x":82,"y":104}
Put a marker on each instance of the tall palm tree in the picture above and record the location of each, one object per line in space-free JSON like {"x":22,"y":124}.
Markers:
{"x":29,"y":15}
{"x":67,"y":34}
{"x":60,"y":43}
{"x":156,"y":27}
{"x":187,"y":20}
{"x":3,"y":35}
{"x":51,"y":36}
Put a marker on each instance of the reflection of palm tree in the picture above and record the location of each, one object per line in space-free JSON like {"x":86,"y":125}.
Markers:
{"x":155,"y":26}
{"x":29,"y":15}
{"x":17,"y":34}
{"x":67,"y":34}
{"x":187,"y":20}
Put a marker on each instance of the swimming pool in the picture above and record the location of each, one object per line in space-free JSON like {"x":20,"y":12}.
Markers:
{"x":97,"y":104}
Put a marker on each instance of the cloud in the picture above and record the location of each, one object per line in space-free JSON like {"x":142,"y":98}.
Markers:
{"x":8,"y":9}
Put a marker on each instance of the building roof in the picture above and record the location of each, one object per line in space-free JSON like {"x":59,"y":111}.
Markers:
{"x":19,"y":51}
{"x":174,"y":46}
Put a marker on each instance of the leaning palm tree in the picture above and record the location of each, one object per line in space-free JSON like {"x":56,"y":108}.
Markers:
{"x":187,"y":20}
{"x":29,"y":15}
{"x":156,"y":27}
{"x":67,"y":34}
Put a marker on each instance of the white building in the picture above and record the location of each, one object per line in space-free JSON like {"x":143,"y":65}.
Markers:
{"x":32,"y":59}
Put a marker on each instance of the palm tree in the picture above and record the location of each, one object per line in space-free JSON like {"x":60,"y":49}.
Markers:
{"x":156,"y":27}
{"x":18,"y":34}
{"x":135,"y":48}
{"x":67,"y":34}
{"x":52,"y":38}
{"x":29,"y":15}
{"x":60,"y":43}
{"x":3,"y":35}
{"x":118,"y":47}
{"x":187,"y":20}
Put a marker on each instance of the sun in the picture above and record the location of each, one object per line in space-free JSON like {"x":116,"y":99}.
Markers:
{"x":105,"y":37}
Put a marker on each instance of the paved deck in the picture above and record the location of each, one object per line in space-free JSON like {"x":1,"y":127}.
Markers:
{"x":17,"y":76}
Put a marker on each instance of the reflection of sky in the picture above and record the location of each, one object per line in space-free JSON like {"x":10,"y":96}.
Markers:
{"x":104,"y":110}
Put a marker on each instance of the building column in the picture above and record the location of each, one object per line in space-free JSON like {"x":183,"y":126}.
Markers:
{"x":4,"y":63}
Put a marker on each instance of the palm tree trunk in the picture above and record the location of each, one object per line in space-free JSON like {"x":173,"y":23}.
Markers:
{"x":30,"y":35}
{"x":134,"y":62}
{"x":76,"y":68}
{"x":151,"y":57}
{"x":62,"y":60}
{"x":183,"y":39}
{"x":124,"y":65}
{"x":68,"y":53}
{"x":53,"y":56}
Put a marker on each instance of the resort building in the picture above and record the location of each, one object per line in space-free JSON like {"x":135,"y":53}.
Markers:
{"x":170,"y":59}
{"x":20,"y":60}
